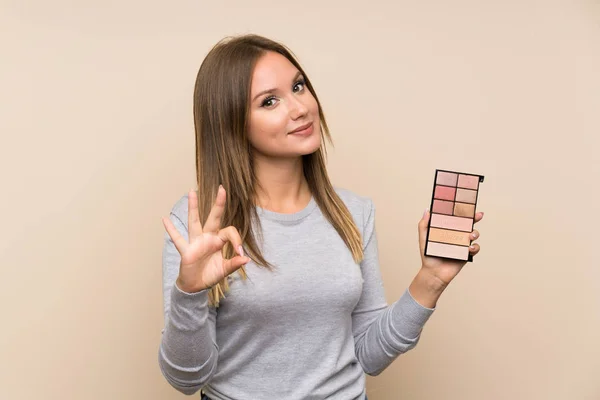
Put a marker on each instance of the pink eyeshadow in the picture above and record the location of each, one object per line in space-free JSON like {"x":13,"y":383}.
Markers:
{"x":468,"y":181}
{"x":444,"y":193}
{"x":447,"y":250}
{"x":446,"y":178}
{"x":443,"y":207}
{"x":449,"y":222}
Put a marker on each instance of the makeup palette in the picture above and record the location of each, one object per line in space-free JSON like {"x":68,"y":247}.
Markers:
{"x":453,"y":206}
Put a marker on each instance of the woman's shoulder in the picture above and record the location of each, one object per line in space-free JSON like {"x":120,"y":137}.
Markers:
{"x":360,"y":206}
{"x":180,"y":209}
{"x":352,"y":198}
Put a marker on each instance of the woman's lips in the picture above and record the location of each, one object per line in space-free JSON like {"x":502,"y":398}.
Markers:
{"x":303,"y":130}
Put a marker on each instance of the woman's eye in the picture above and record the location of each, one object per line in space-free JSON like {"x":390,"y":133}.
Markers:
{"x":300,"y":82}
{"x":268,"y":102}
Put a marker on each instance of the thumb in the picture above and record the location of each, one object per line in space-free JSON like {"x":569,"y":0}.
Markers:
{"x":423,"y":230}
{"x":234,"y":264}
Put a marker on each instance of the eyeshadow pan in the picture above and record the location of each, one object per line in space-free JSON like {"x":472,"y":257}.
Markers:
{"x":453,"y":206}
{"x":466,"y":195}
{"x":446,"y":178}
{"x":443,"y":207}
{"x":468,"y":181}
{"x":445,"y":193}
{"x":450,"y":222}
{"x":447,"y":251}
{"x":450,"y":237}
{"x":464,"y":210}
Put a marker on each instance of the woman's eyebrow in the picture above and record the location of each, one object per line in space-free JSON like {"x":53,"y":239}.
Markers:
{"x":274,"y":89}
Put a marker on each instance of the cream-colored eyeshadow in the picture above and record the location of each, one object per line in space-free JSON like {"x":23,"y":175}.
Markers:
{"x":466,"y":195}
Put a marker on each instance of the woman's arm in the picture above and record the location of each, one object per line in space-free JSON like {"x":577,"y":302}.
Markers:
{"x":188,"y":351}
{"x":425,"y":289}
{"x":382,"y":332}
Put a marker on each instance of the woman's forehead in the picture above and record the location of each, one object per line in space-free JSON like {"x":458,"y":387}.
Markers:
{"x":271,"y":71}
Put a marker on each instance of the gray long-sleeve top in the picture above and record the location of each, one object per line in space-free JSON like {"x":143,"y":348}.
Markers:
{"x":310,"y":329}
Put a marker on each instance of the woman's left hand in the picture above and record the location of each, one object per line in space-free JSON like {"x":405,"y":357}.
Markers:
{"x":441,"y":269}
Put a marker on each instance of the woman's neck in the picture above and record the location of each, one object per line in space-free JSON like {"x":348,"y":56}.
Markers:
{"x":283,"y":186}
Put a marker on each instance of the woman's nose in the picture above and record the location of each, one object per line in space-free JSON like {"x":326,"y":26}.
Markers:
{"x":297,"y":108}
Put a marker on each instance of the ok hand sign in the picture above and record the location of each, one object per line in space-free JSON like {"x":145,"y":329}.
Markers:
{"x":202,"y":264}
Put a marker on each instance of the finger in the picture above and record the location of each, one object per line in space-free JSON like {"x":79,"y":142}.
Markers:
{"x":423,"y":230}
{"x":231,"y":234}
{"x":475,"y":234}
{"x":213,"y":222}
{"x":474,"y":248}
{"x":194,"y":224}
{"x":478,"y":217}
{"x":234,"y":264}
{"x":178,"y":240}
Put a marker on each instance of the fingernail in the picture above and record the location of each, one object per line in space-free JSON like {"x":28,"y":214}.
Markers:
{"x":472,"y":247}
{"x":425,"y":213}
{"x":475,"y":236}
{"x":240,"y":250}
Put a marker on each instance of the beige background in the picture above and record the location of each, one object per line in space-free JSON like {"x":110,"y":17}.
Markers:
{"x":97,"y":145}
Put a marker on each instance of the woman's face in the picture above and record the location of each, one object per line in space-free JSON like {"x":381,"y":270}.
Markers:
{"x":280,"y":103}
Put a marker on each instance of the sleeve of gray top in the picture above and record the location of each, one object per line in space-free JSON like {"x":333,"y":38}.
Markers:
{"x":188,"y":351}
{"x":382,"y":332}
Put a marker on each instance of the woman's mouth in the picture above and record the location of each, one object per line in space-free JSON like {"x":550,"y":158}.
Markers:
{"x":303,"y":130}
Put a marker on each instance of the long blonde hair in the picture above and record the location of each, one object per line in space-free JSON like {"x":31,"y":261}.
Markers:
{"x":223,"y":153}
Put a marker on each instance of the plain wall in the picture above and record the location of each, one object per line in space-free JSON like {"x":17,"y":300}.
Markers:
{"x":98,"y":144}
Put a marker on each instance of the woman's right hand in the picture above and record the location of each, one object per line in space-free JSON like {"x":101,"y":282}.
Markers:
{"x":202,"y":264}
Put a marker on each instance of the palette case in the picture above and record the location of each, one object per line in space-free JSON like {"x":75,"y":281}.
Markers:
{"x":452,"y":214}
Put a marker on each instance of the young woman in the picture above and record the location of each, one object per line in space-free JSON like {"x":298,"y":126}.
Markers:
{"x":272,"y":286}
